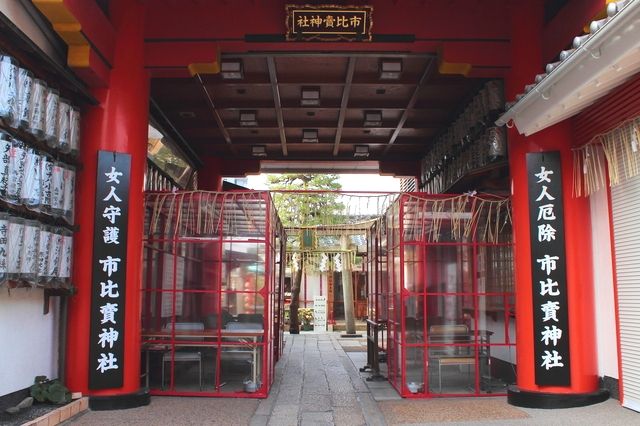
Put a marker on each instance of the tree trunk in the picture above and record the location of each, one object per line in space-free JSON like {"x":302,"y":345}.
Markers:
{"x":294,"y":324}
{"x":347,"y":287}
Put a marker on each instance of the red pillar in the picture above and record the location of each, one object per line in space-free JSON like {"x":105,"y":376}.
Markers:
{"x":527,"y":23}
{"x":118,"y":123}
{"x":210,"y":175}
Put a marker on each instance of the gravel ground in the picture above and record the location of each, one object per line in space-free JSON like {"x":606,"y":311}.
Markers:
{"x":26,"y":415}
{"x":449,"y":410}
{"x":175,"y":411}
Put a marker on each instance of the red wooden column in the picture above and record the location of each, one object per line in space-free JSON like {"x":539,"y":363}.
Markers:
{"x":118,"y":123}
{"x":210,"y":174}
{"x":527,"y":23}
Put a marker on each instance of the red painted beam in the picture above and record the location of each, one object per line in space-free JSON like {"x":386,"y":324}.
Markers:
{"x":179,"y":54}
{"x":223,"y":19}
{"x":89,"y":66}
{"x":477,"y":53}
{"x":164,"y":58}
{"x":95,"y":26}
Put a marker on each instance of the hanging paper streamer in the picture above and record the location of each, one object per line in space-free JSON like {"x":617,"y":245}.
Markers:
{"x":17,"y":160}
{"x":324,"y":263}
{"x":64,"y":128}
{"x":337,"y":262}
{"x":295,"y":261}
{"x":51,"y":118}
{"x":29,"y":255}
{"x":31,"y":187}
{"x":37,"y":108}
{"x":5,"y":153}
{"x":8,"y":87}
{"x":15,"y":240}
{"x":4,"y":228}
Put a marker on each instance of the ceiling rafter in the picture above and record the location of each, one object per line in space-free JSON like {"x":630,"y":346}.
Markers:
{"x":351,"y":67}
{"x":273,"y":77}
{"x":428,"y":71}
{"x":216,"y":114}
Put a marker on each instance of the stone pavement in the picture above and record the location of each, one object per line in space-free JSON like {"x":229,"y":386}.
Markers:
{"x":317,"y":384}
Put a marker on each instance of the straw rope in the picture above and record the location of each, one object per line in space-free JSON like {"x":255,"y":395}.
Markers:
{"x":616,"y":152}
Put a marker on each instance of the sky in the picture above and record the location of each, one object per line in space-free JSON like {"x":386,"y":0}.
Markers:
{"x":350,"y":182}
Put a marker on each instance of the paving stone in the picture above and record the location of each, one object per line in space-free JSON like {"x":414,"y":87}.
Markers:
{"x":342,"y":399}
{"x":285,"y":410}
{"x":384,"y":394}
{"x":283,"y":421}
{"x":347,"y":416}
{"x":370,"y":410}
{"x":316,"y":418}
{"x":259,"y":420}
{"x":315,"y":402}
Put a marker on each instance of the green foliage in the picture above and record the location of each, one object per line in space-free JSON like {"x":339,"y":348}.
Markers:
{"x":45,"y":390}
{"x":307,"y":209}
{"x":305,"y":315}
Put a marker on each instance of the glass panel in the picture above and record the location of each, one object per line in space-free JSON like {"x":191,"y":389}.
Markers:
{"x":167,"y":157}
{"x":413,"y":272}
{"x":152,"y":265}
{"x":414,"y":318}
{"x":492,"y":320}
{"x":244,"y":307}
{"x":452,"y":375}
{"x":495,"y":269}
{"x":449,"y":269}
{"x":244,"y":266}
{"x":414,"y":370}
{"x":241,"y":366}
{"x":449,"y":310}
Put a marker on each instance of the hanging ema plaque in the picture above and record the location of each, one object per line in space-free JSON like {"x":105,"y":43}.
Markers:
{"x":106,"y":353}
{"x":548,"y":266}
{"x":329,"y":23}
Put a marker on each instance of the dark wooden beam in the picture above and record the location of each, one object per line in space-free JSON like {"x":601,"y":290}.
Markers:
{"x":273,"y":77}
{"x":351,"y":67}
{"x":215,"y":113}
{"x":428,"y":71}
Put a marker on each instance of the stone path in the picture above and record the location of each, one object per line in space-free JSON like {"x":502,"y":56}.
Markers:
{"x":317,"y":384}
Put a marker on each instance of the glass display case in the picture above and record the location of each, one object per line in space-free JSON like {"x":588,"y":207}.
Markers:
{"x":441,"y":279}
{"x":212,"y":293}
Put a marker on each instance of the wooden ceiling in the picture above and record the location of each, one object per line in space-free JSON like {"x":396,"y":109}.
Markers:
{"x":205,"y":110}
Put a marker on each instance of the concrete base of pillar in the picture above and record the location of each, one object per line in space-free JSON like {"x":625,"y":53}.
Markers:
{"x":120,"y":402}
{"x":532,"y":399}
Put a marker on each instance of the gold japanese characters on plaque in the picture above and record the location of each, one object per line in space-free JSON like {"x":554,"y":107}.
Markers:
{"x":328,"y":23}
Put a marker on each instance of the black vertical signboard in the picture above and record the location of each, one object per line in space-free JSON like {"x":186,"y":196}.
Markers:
{"x":548,"y":266}
{"x":106,"y":354}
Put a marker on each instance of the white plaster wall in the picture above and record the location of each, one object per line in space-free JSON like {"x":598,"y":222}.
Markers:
{"x":606,"y":342}
{"x":16,"y":12}
{"x":29,"y":339}
{"x":505,"y":353}
{"x":313,"y":287}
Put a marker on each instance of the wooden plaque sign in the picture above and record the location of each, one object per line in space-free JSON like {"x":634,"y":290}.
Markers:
{"x":328,"y":23}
